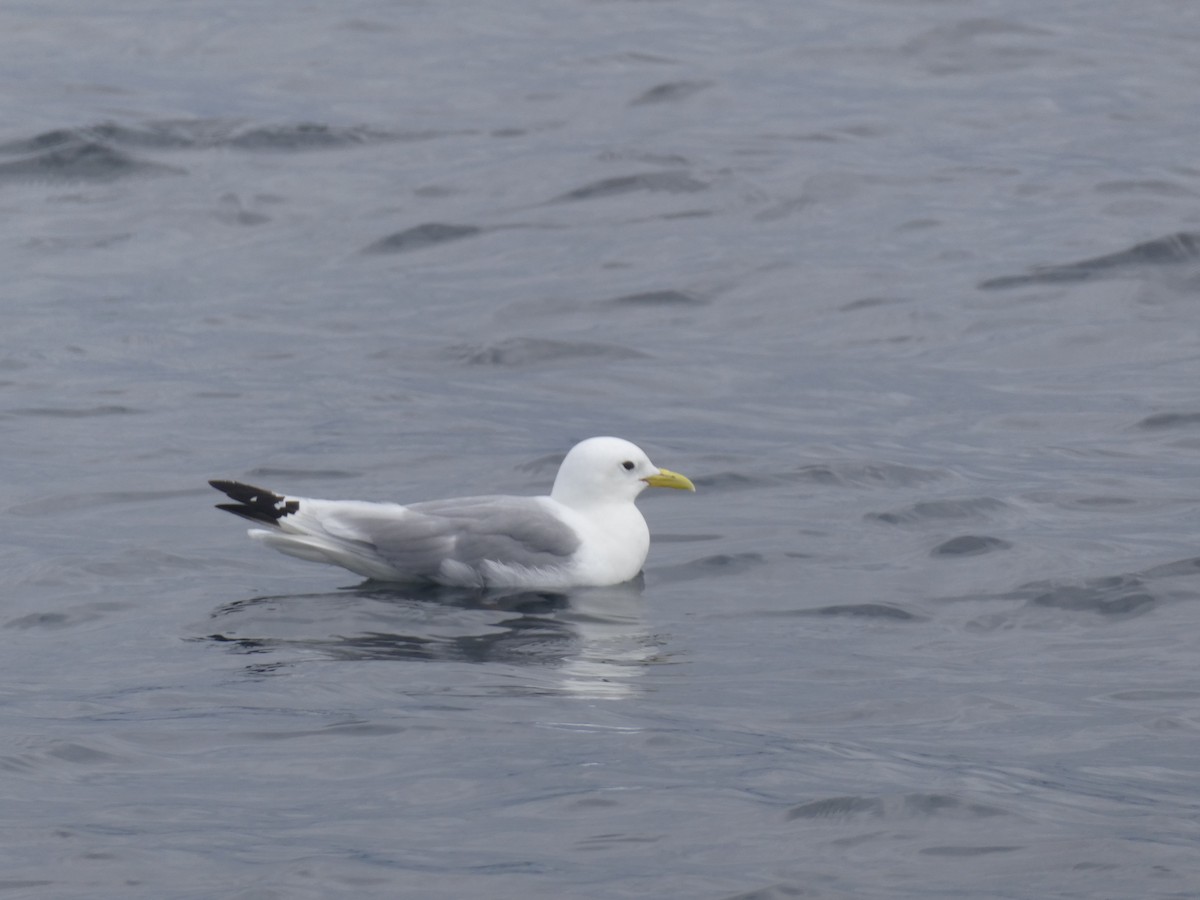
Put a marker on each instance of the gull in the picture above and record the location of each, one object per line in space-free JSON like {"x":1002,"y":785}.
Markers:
{"x":586,"y":533}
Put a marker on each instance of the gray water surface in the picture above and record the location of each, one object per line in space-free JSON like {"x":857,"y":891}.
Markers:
{"x":909,"y":289}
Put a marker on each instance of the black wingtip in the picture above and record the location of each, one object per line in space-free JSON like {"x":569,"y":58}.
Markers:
{"x":254,"y":503}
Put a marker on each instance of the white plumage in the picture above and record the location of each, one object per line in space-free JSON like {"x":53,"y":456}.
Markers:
{"x":587,"y":532}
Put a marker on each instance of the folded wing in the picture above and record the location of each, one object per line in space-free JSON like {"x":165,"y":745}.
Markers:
{"x":468,"y":541}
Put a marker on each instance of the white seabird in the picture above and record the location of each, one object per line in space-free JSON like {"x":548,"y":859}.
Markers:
{"x":586,"y":533}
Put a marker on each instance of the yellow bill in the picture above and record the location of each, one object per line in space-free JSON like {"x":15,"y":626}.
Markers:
{"x":667,"y":478}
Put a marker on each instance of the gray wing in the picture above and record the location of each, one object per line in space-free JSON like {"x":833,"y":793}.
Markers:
{"x":516,"y":531}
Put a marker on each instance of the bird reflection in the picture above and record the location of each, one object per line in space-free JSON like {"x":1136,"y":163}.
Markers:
{"x":589,"y":641}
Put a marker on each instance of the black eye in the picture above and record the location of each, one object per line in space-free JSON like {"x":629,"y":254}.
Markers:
{"x":627,"y":465}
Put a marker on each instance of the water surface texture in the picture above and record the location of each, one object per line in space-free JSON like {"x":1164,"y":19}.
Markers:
{"x":909,"y":288}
